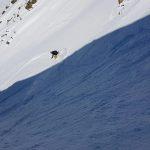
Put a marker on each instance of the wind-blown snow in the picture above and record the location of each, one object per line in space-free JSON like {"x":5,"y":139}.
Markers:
{"x":95,"y":96}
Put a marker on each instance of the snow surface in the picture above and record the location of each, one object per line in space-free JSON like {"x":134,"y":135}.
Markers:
{"x":95,"y":96}
{"x":65,"y":25}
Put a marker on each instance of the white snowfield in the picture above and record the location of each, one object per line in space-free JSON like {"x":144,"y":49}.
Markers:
{"x":95,"y":95}
{"x":64,"y":25}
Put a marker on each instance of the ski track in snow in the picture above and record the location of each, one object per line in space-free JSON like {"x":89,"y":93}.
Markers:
{"x":36,"y":59}
{"x":24,"y":66}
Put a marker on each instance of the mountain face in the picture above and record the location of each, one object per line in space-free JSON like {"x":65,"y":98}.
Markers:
{"x":28,"y":35}
{"x":94,"y":95}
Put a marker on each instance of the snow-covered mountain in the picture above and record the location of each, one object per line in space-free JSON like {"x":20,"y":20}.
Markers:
{"x":95,"y":95}
{"x":27,"y":36}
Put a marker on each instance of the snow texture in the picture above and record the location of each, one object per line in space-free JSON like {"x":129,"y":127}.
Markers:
{"x":95,"y":96}
{"x":96,"y":99}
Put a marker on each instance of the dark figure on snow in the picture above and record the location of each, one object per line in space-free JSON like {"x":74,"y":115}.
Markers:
{"x":54,"y":54}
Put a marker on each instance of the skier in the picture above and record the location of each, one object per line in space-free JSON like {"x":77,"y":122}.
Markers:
{"x":54,"y":54}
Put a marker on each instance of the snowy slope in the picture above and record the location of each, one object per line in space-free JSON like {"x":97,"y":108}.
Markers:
{"x":48,"y":34}
{"x":63,"y":25}
{"x":95,"y":96}
{"x":97,"y":99}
